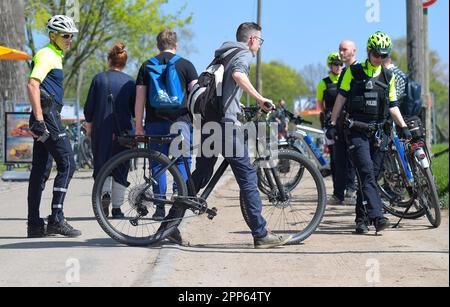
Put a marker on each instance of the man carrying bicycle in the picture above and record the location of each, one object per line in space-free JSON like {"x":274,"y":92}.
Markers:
{"x":370,"y":93}
{"x":45,"y":90}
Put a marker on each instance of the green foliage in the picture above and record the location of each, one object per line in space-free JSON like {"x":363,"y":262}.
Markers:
{"x":101,"y":23}
{"x":280,"y":81}
{"x":441,"y":171}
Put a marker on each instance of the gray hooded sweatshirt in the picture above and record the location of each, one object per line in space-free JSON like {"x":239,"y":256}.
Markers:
{"x":240,"y":63}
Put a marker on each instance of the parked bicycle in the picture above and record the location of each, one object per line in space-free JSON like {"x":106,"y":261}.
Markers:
{"x":297,"y":211}
{"x":407,"y":181}
{"x":82,"y":148}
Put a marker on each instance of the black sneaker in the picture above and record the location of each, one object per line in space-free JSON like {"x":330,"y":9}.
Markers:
{"x":62,"y":228}
{"x":117,"y":213}
{"x":175,"y":237}
{"x":159,"y":214}
{"x":271,"y":240}
{"x":350,"y":194}
{"x":106,"y":200}
{"x":380,"y":223}
{"x":36,"y":231}
{"x":361,"y":227}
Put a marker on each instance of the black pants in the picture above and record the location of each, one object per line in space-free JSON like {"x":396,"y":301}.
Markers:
{"x":367,"y":157}
{"x":57,"y":147}
{"x":344,"y":170}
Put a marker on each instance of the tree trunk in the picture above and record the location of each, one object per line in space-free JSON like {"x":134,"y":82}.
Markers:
{"x":13,"y":74}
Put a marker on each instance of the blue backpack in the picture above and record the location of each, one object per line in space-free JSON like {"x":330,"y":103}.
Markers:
{"x":165,"y":90}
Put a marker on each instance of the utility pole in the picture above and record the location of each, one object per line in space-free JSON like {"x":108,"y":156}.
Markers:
{"x":426,"y":95}
{"x":258,"y":57}
{"x":417,"y":52}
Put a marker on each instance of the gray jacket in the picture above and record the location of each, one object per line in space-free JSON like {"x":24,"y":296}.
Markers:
{"x":240,"y":63}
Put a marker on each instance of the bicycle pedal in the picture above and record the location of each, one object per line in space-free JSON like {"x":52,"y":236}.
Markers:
{"x":211,"y":213}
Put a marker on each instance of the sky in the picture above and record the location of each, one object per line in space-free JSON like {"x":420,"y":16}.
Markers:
{"x":301,"y":32}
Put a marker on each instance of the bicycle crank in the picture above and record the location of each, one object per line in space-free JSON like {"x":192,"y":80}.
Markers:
{"x":196,"y":205}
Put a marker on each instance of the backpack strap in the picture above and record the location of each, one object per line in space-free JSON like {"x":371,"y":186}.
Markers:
{"x":174,"y":59}
{"x":154,"y":61}
{"x":112,"y":101}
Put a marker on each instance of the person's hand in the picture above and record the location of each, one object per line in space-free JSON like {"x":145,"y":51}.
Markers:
{"x":405,"y":134}
{"x":39,"y":131}
{"x":139,"y":130}
{"x":331,"y":133}
{"x":266,"y":104}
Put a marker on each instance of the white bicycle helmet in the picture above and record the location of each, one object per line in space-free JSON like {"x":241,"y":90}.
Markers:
{"x":61,"y":23}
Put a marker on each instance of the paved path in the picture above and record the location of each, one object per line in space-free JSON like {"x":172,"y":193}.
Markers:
{"x":221,"y":251}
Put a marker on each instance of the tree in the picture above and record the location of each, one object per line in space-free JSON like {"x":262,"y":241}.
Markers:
{"x":280,"y":81}
{"x":13,"y":73}
{"x":101,"y":22}
{"x":313,"y":73}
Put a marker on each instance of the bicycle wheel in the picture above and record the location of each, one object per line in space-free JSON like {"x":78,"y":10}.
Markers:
{"x":131,"y":169}
{"x":283,"y":168}
{"x":395,"y":190}
{"x":86,"y":152}
{"x":302,"y":212}
{"x":428,"y":196}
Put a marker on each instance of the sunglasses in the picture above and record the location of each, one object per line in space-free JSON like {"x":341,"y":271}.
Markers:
{"x":67,"y":36}
{"x":377,"y":55}
{"x":340,"y":64}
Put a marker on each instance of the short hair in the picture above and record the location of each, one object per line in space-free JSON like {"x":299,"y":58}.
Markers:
{"x":117,"y":55}
{"x":246,"y":30}
{"x":166,"y":39}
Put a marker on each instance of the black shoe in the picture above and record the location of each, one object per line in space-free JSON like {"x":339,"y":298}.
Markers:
{"x":159,"y":214}
{"x":361,"y":227}
{"x":380,"y":223}
{"x":117,"y":213}
{"x":106,"y":200}
{"x":175,"y":237}
{"x":36,"y":231}
{"x":62,"y":228}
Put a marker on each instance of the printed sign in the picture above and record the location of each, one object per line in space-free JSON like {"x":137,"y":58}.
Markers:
{"x":18,"y":140}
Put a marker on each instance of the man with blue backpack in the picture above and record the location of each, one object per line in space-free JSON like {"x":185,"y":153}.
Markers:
{"x":161,"y":87}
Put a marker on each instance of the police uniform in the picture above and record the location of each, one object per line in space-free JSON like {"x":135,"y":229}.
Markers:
{"x":370,"y":92}
{"x":327,"y":91}
{"x":47,"y":68}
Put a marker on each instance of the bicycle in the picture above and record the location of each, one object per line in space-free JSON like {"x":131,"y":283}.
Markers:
{"x":407,"y":181}
{"x":285,"y":211}
{"x":300,"y":140}
{"x":82,"y":148}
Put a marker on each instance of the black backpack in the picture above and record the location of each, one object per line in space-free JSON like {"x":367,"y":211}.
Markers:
{"x":206,"y":95}
{"x":412,"y":101}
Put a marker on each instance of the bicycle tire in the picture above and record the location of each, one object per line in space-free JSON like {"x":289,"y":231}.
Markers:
{"x":432,"y":208}
{"x":319,"y":210}
{"x":106,"y":171}
{"x":397,"y":204}
{"x":263,"y":185}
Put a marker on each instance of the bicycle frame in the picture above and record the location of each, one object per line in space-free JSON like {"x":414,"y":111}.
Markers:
{"x":301,"y":134}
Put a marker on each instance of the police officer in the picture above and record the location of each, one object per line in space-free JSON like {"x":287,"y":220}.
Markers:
{"x":326,"y":96}
{"x":45,"y":90}
{"x":370,"y":93}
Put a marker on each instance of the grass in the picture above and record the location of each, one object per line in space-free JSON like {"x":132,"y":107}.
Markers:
{"x":441,"y":172}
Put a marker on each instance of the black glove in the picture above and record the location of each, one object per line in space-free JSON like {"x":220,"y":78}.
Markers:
{"x":331,"y":133}
{"x":405,"y":134}
{"x":40,"y":129}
